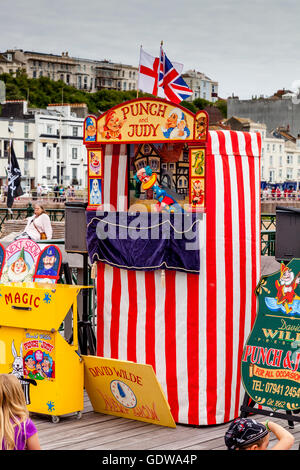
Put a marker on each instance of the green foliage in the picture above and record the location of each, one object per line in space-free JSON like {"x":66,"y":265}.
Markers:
{"x":222,"y":105}
{"x":40,"y":92}
{"x":189,"y":105}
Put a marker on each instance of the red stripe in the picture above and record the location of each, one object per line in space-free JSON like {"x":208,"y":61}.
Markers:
{"x":100,"y":308}
{"x":114,"y":175}
{"x":193,"y":347}
{"x":252,"y":181}
{"x":152,"y":73}
{"x":228,"y":276}
{"x":243,"y":255}
{"x":150,"y":318}
{"x":132,"y":316}
{"x":211,"y":290}
{"x":115,"y":313}
{"x":170,"y":343}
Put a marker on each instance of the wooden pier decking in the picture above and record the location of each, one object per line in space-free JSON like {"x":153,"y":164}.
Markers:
{"x":96,"y":431}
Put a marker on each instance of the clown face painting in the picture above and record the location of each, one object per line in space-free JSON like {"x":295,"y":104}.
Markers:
{"x":21,"y":257}
{"x":95,"y":163}
{"x":90,"y":129}
{"x":95,"y":191}
{"x":112,"y":126}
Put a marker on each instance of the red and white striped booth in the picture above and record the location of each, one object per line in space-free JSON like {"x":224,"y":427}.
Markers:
{"x":191,"y":328}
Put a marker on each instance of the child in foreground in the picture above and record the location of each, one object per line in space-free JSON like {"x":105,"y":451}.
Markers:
{"x":17,"y":431}
{"x":248,"y":434}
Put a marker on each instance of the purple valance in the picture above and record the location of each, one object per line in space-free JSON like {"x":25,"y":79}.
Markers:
{"x":145,"y":241}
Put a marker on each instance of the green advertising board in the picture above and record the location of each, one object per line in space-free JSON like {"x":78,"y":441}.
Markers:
{"x":270,"y":364}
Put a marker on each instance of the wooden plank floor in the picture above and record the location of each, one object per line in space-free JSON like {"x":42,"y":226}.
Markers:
{"x":96,"y":431}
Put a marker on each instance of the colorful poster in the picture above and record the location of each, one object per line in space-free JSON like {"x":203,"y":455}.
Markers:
{"x":48,"y":265}
{"x":197,"y":159}
{"x":95,"y":191}
{"x":90,"y":129}
{"x":95,"y":162}
{"x":38,"y":350}
{"x":271,"y":357}
{"x":126,"y":389}
{"x":201,"y":125}
{"x":197,"y":189}
{"x":21,"y":256}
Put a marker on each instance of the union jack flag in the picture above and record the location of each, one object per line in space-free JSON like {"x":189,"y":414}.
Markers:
{"x":160,"y":77}
{"x":171,"y":81}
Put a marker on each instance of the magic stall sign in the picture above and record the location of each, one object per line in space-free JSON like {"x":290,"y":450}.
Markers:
{"x":271,"y":357}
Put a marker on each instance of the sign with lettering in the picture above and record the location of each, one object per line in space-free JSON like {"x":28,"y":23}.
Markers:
{"x":38,"y":349}
{"x":21,"y":256}
{"x":144,"y":119}
{"x":126,"y":389}
{"x":271,"y":357}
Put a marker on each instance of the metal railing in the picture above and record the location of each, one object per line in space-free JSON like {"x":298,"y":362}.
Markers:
{"x":21,"y":213}
{"x":268,"y":224}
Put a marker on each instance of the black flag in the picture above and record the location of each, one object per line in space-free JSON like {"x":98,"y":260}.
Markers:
{"x":14,"y":188}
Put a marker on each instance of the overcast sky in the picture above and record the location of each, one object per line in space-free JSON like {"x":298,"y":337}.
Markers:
{"x":249,"y":47}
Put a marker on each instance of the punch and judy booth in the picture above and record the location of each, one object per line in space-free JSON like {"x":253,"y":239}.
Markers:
{"x":173,"y":223}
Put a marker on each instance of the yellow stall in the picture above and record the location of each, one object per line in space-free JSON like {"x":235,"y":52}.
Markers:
{"x":33,"y":349}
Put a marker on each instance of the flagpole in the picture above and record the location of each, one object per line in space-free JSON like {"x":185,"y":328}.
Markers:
{"x":11,"y":132}
{"x":137,"y":91}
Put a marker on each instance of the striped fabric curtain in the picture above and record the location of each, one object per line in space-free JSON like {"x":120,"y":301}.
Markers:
{"x":192,"y":328}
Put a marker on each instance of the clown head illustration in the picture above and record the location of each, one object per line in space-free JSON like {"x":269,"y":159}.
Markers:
{"x":90,"y":129}
{"x":19,"y":270}
{"x":112,"y":126}
{"x":95,"y":164}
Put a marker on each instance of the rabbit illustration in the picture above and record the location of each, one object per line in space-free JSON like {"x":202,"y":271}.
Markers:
{"x":17,"y":365}
{"x":17,"y":370}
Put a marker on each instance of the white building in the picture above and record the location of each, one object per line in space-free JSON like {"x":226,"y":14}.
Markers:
{"x":280,"y":152}
{"x":84,"y":74}
{"x":202,"y":86}
{"x":47,"y":142}
{"x":60,"y":153}
{"x":21,"y":130}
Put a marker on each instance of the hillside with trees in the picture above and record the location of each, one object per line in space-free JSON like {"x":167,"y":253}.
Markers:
{"x":40,"y":92}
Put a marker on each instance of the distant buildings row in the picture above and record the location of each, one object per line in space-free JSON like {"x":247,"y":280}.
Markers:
{"x":280,"y":153}
{"x":93,"y":75}
{"x":47,"y":143}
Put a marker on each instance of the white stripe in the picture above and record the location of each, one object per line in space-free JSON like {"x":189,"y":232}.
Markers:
{"x":160,"y":356}
{"x":181,"y":345}
{"x":122,"y":176}
{"x":141,"y":318}
{"x":107,"y":175}
{"x":255,"y":147}
{"x":124,"y":307}
{"x":108,"y":282}
{"x":220,"y":284}
{"x":203,"y":363}
{"x":235,"y":267}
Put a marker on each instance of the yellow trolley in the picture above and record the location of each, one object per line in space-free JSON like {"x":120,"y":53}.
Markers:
{"x":32,"y":347}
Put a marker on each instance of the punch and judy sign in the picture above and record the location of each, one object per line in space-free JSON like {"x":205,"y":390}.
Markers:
{"x":141,"y":120}
{"x":271,"y":357}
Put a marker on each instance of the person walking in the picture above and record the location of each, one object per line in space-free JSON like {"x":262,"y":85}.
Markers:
{"x":56,"y":193}
{"x":17,"y":430}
